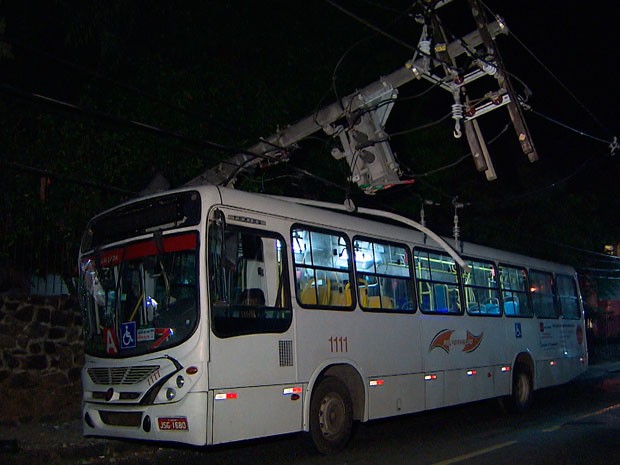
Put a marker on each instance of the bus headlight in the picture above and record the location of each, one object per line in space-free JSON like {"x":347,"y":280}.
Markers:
{"x":170,"y":394}
{"x":180,"y":381}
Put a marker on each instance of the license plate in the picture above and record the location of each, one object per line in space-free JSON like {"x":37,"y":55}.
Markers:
{"x":173,"y":424}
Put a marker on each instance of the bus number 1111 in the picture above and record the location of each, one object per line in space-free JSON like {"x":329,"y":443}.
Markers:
{"x":339,"y":344}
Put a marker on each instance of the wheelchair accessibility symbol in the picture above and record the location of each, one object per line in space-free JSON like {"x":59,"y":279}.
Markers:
{"x":128,"y":335}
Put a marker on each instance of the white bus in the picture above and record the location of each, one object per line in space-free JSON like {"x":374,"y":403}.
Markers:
{"x":213,"y":315}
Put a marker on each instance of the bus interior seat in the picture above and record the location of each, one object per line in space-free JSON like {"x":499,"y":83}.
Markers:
{"x":511,"y":305}
{"x":376,"y":301}
{"x":473,"y":307}
{"x":491,"y":307}
{"x":308,"y":294}
{"x":340,"y":295}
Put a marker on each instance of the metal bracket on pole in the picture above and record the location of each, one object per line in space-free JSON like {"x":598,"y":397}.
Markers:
{"x":365,"y":144}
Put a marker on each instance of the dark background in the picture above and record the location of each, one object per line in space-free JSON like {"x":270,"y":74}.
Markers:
{"x":204,"y":74}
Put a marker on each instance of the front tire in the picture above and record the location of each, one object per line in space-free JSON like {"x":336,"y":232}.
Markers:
{"x":331,"y":416}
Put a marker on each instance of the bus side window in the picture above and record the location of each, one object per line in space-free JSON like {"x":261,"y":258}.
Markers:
{"x":541,"y":291}
{"x":249,"y":288}
{"x":323,"y":268}
{"x":383,"y":276}
{"x":514,"y":287}
{"x":568,"y":297}
{"x":438,"y":282}
{"x":481,"y":288}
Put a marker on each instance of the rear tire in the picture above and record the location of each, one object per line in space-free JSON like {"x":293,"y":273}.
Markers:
{"x":522,"y":389}
{"x":331,"y":416}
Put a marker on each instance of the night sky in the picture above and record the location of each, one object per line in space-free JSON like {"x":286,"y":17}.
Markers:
{"x":204,"y":73}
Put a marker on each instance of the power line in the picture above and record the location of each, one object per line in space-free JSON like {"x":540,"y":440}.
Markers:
{"x":99,"y":76}
{"x":423,"y":126}
{"x":401,"y":14}
{"x":570,"y":128}
{"x":551,"y":73}
{"x":63,"y":178}
{"x":11,"y":90}
{"x":372,"y":26}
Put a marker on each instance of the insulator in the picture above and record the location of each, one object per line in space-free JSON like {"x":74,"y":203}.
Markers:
{"x":457,"y":111}
{"x":425,"y":47}
{"x":489,"y":68}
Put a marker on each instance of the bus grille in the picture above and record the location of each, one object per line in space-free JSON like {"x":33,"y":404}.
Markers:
{"x":121,"y":375}
{"x":121,"y":418}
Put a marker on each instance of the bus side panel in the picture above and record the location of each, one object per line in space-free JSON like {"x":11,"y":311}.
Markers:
{"x":502,"y":377}
{"x":383,"y":347}
{"x":242,"y":412}
{"x":395,"y":395}
{"x":548,"y":362}
{"x":250,"y":360}
{"x":469,"y":351}
{"x":434,"y":385}
{"x":575,"y":347}
{"x":469,"y":385}
{"x":382,"y":344}
{"x":254,"y":412}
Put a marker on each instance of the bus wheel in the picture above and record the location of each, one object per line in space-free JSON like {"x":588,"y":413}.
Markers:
{"x":522,"y":389}
{"x":331,"y":416}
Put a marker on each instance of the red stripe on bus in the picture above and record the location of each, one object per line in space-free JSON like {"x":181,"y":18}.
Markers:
{"x":148,"y":248}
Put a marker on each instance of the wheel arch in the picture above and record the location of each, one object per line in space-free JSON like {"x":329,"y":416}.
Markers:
{"x":350,"y":376}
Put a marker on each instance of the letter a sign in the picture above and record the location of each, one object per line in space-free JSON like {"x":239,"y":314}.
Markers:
{"x":111,"y":343}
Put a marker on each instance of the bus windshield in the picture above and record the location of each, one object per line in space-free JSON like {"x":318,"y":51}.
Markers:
{"x":141,"y":297}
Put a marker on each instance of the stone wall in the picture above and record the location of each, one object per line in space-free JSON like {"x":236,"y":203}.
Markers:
{"x":41,"y":355}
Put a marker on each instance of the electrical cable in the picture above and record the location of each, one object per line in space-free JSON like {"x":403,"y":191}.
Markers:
{"x":372,"y":26}
{"x":355,"y":44}
{"x":557,"y":79}
{"x":8,"y":89}
{"x":386,"y":8}
{"x":99,"y":76}
{"x":570,"y":128}
{"x":406,"y":45}
{"x":63,"y":178}
{"x":548,"y":187}
{"x":423,"y":126}
{"x":137,"y":125}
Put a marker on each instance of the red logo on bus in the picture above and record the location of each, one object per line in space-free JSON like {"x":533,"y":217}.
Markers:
{"x":443,"y":340}
{"x":472,"y":342}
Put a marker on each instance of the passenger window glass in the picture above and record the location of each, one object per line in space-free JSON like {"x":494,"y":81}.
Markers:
{"x":383,"y":276}
{"x":248,"y":290}
{"x":481,"y":289}
{"x":437,"y":278}
{"x":322,"y":268}
{"x":541,"y":290}
{"x":513,"y":281}
{"x":568,"y":297}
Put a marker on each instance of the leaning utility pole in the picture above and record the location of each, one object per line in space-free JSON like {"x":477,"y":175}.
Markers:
{"x":358,"y":120}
